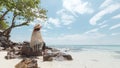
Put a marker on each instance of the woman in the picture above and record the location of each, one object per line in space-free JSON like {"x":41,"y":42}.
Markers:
{"x":37,"y":44}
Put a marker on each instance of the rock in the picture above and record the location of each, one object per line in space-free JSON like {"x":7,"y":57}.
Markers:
{"x":47,"y":58}
{"x":59,"y":56}
{"x":3,"y":38}
{"x":0,"y":44}
{"x":10,"y":55}
{"x":26,"y":43}
{"x":27,"y":51}
{"x":48,"y":55}
{"x":4,"y":42}
{"x":62,"y":56}
{"x":27,"y":63}
{"x":68,"y":57}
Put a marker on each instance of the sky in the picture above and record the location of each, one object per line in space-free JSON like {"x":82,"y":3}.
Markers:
{"x":76,"y":22}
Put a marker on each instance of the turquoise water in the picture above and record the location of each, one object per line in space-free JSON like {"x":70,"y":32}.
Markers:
{"x":97,"y":47}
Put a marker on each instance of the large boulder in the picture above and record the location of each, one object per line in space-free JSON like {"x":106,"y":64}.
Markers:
{"x":62,"y":56}
{"x":27,"y":51}
{"x":27,"y":63}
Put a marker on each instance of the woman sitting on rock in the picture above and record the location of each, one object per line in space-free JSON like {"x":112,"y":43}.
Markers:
{"x":37,"y":44}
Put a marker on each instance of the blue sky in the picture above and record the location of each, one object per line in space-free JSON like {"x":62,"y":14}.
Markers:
{"x":76,"y":22}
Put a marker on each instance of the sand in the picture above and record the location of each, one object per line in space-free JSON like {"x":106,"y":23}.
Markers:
{"x":81,"y":59}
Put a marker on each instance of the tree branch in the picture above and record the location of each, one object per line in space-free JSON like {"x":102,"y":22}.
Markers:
{"x":13,"y":23}
{"x":2,"y":17}
{"x":24,"y":23}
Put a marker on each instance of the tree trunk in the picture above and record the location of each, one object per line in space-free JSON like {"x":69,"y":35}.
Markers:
{"x":7,"y":32}
{"x":6,"y":42}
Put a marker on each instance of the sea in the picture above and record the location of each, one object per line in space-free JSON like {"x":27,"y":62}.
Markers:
{"x":87,"y":47}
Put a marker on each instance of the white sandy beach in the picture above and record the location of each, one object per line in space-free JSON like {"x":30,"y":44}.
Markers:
{"x":82,"y":59}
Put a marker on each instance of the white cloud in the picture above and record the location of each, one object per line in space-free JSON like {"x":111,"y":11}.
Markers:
{"x":40,"y":20}
{"x":71,"y":9}
{"x":37,"y":21}
{"x":106,"y":3}
{"x":77,"y":6}
{"x":115,"y":26}
{"x":116,"y":17}
{"x":102,"y":23}
{"x":65,"y":18}
{"x":47,"y":25}
{"x":54,"y":21}
{"x":94,"y":35}
{"x":92,"y":31}
{"x":107,"y":10}
{"x":103,"y":26}
{"x":61,"y":12}
{"x":75,"y":39}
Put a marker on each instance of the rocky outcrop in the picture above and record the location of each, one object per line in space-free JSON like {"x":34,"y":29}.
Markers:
{"x":27,"y":51}
{"x":13,"y":53}
{"x":27,"y":63}
{"x":24,"y":50}
{"x":4,"y":42}
{"x":50,"y":55}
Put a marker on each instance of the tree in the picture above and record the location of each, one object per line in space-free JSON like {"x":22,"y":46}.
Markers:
{"x":23,"y":10}
{"x":3,"y":25}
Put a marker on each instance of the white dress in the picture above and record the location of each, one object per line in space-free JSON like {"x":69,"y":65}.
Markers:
{"x":36,"y":41}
